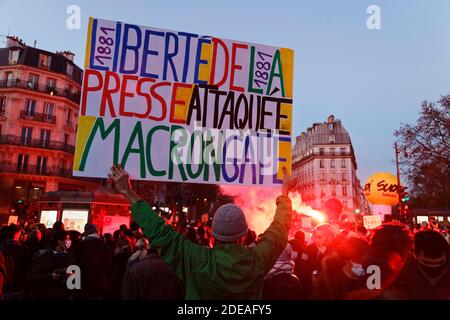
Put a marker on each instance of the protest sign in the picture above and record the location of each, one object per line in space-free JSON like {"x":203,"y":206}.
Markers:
{"x":184,"y":107}
{"x":371,"y":222}
{"x":13,"y":220}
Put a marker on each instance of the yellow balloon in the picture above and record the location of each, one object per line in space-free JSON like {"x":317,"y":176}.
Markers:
{"x":381,"y":188}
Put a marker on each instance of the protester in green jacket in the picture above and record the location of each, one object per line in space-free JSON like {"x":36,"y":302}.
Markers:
{"x":229,"y":270}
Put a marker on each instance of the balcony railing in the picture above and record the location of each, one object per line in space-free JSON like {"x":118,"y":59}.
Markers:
{"x":69,"y":125}
{"x":300,"y":159}
{"x":32,"y":169}
{"x":36,"y":143}
{"x":35,"y":170}
{"x":24,"y":84}
{"x":41,"y":117}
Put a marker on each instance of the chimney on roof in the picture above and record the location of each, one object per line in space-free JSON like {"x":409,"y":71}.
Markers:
{"x":14,"y":42}
{"x":68,"y":54}
{"x":330,"y":119}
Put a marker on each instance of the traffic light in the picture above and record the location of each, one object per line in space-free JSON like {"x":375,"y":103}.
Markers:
{"x":405,"y":197}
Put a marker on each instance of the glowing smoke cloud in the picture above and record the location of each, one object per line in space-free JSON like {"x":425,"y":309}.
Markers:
{"x":259,"y":205}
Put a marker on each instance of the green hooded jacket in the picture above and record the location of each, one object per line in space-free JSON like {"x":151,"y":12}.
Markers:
{"x":228,"y":271}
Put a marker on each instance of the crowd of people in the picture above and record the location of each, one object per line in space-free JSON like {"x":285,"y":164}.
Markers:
{"x":414,"y":263}
{"x":151,"y":259}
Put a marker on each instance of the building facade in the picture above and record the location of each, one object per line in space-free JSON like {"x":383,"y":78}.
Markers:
{"x":325,"y":162}
{"x":39,"y":105}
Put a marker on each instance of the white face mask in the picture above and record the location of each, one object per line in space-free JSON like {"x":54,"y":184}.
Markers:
{"x":67,"y":244}
{"x":358,"y":269}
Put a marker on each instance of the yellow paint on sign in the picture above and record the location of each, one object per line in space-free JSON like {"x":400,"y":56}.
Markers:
{"x":183,"y":94}
{"x":85,"y":125}
{"x":284,"y":151}
{"x":287,"y":64}
{"x":204,"y":71}
{"x":286,"y":124}
{"x":88,"y":44}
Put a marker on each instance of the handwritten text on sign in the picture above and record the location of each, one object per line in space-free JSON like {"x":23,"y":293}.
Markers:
{"x":371,"y":222}
{"x":178,"y":106}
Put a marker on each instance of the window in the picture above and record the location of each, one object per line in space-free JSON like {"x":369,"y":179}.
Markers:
{"x":13,"y":56}
{"x":333,"y":191}
{"x":66,"y":139}
{"x":45,"y":61}
{"x":9,"y":79}
{"x":69,"y":116}
{"x":41,"y":165}
{"x":25,"y":138}
{"x":44,"y":140}
{"x":330,"y":126}
{"x":2,"y":105}
{"x":33,"y":81}
{"x":22,"y":162}
{"x":69,"y":69}
{"x":48,"y":110}
{"x":332,"y":138}
{"x":344,"y":176}
{"x":342,"y":151}
{"x":332,"y":163}
{"x":51,"y":84}
{"x":30,"y":107}
{"x":322,"y":163}
{"x":344,"y":191}
{"x":321,"y":151}
{"x":332,"y":151}
{"x":343,"y":163}
{"x":322,"y":193}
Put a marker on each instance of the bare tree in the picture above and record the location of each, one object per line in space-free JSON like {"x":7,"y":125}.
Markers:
{"x":425,"y":161}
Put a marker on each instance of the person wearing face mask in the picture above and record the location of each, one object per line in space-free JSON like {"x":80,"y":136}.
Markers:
{"x":427,"y":274}
{"x":324,"y":238}
{"x":46,"y":278}
{"x":342,"y":270}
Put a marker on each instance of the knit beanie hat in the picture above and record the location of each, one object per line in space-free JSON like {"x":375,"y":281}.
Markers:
{"x":229,"y":224}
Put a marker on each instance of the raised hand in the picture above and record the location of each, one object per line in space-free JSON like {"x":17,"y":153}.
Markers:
{"x":289,"y":183}
{"x":122,"y":183}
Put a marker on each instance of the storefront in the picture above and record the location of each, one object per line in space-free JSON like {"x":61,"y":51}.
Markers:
{"x":424,"y":215}
{"x":106,"y":209}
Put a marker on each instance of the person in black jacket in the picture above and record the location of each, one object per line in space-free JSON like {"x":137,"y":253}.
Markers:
{"x":281,"y":283}
{"x":34,"y":241}
{"x":427,"y":273}
{"x":342,"y":270}
{"x":304,"y":257}
{"x":148,"y":277}
{"x":94,"y":259}
{"x":18,"y":261}
{"x":124,"y":249}
{"x":2,"y":273}
{"x":47,"y":276}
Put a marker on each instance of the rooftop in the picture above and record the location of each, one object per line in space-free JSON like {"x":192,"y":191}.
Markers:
{"x":32,"y":57}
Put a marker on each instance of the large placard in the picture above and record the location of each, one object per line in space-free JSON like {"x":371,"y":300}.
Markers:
{"x":178,"y":106}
